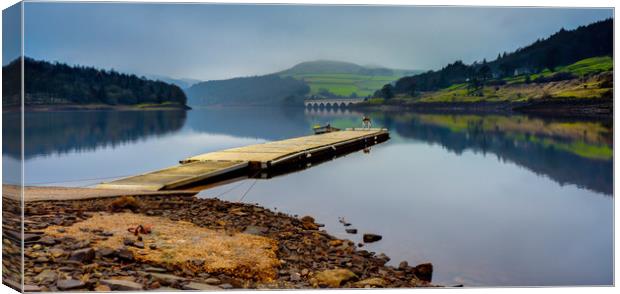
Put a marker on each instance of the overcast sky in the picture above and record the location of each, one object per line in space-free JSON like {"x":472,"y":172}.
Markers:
{"x":221,"y":41}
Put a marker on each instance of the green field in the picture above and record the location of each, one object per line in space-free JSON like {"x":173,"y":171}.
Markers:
{"x":580,"y":68}
{"x":346,"y":84}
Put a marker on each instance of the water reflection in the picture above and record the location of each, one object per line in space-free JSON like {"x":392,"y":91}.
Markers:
{"x":568,"y":152}
{"x":60,"y":132}
{"x":489,"y":199}
{"x":575,"y":152}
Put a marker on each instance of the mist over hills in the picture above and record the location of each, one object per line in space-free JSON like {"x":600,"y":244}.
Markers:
{"x":320,"y":78}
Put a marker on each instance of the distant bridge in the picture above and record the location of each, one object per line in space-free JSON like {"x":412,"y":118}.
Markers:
{"x":334,"y":103}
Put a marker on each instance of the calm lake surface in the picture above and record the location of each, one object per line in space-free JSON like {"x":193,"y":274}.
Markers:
{"x":488,"y":199}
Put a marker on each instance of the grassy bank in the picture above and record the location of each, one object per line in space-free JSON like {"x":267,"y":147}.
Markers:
{"x":587,"y":79}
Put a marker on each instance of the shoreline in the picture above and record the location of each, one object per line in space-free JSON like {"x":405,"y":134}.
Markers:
{"x":96,"y":107}
{"x":595,"y":107}
{"x":306,"y":256}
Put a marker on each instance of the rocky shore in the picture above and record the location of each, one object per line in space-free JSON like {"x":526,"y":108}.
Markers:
{"x":305,"y":255}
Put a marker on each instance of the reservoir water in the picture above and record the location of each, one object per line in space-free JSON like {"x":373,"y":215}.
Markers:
{"x":489,"y":199}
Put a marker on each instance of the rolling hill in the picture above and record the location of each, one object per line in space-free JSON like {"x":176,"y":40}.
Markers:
{"x":321,"y":78}
{"x":328,"y":78}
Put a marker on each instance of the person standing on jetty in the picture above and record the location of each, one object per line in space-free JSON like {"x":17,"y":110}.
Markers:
{"x":366,"y":123}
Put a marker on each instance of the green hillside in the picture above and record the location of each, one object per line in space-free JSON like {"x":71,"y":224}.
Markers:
{"x":571,"y":52}
{"x":587,"y":78}
{"x":335,"y":78}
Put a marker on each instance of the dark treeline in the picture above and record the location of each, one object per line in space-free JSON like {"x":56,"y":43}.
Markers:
{"x":59,"y":83}
{"x":260,"y":90}
{"x":562,"y":48}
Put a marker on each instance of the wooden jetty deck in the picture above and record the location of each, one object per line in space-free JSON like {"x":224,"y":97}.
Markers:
{"x":253,"y":157}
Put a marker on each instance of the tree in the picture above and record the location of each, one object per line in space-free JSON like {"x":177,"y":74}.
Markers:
{"x":387,"y":92}
{"x":484,"y":72}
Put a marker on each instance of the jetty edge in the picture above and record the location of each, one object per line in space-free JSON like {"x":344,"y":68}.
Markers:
{"x":248,"y":160}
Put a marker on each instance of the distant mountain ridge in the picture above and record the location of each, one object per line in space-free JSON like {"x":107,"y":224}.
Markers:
{"x":324,"y":66}
{"x":258,"y":90}
{"x":183,"y":83}
{"x":321,"y":77}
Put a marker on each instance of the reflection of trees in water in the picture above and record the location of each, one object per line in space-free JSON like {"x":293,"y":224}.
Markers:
{"x":538,"y":156}
{"x":270,"y":123}
{"x":61,"y":132}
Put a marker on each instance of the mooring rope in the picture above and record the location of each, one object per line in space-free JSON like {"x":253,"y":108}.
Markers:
{"x":248,"y":190}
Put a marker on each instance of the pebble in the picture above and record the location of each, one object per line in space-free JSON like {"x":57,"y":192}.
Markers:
{"x":152,"y":269}
{"x":122,"y":285}
{"x":403,"y":265}
{"x":105,"y":252}
{"x":46,"y":276}
{"x":69,"y":284}
{"x":213,"y":281}
{"x":295,"y":277}
{"x":83,"y":255}
{"x":103,"y":288}
{"x":200,"y":287}
{"x":47,"y":240}
{"x":166,"y":278}
{"x":351,"y":231}
{"x":32,"y":288}
{"x":226,"y":286}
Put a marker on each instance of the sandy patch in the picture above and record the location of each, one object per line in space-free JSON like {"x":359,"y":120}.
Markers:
{"x":180,"y":245}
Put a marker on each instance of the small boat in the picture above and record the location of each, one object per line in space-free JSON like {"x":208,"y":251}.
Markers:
{"x":318,"y":129}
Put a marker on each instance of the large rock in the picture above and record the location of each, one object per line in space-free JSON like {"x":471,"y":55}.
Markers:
{"x":424,"y":272}
{"x":122,"y":285}
{"x":124,"y":253}
{"x":307,"y":222}
{"x":69,"y":284}
{"x":335,"y":277}
{"x":368,"y":238}
{"x":83,"y":255}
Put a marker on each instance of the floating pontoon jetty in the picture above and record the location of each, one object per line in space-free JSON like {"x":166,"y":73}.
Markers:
{"x":251,"y":158}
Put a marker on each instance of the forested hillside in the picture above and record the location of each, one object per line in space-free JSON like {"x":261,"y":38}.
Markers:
{"x":560,"y":49}
{"x":57,"y":83}
{"x":259,"y":90}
